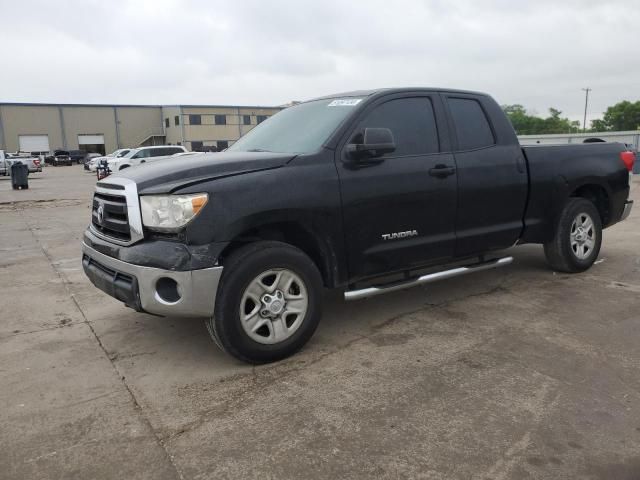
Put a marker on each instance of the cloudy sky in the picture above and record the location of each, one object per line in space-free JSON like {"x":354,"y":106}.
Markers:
{"x":538,"y":53}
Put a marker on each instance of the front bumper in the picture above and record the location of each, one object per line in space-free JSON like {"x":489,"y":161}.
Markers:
{"x":143,"y":288}
{"x":627,"y":209}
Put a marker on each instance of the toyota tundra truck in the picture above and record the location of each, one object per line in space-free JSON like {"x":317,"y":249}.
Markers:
{"x":368,"y":192}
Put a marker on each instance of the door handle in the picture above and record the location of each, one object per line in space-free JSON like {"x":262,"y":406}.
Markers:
{"x":442,"y":171}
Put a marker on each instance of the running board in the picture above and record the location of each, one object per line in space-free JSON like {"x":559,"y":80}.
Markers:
{"x":429,"y":278}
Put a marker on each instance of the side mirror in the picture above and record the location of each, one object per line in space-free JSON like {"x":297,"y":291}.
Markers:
{"x":376,"y":143}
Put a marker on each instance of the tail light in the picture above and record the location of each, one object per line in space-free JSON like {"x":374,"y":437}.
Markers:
{"x":628,"y":158}
{"x":36,"y":163}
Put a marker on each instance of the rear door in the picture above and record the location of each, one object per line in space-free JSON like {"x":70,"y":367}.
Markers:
{"x":399,"y":213}
{"x":491,"y":172}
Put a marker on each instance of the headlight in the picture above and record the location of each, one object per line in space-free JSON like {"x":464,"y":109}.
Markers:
{"x":168,"y":213}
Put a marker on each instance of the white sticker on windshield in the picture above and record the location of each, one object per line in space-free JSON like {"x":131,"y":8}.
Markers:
{"x":347,"y":102}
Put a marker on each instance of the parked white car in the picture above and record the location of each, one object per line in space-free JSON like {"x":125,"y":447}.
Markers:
{"x":141,"y":155}
{"x":93,"y":163}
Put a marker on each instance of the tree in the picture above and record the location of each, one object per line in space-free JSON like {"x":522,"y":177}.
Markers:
{"x":599,"y":125}
{"x":525,"y":123}
{"x":622,"y":116}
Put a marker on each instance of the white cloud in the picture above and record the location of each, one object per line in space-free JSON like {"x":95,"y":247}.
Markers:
{"x":537,"y":53}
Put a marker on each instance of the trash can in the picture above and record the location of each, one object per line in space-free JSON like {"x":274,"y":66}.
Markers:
{"x":19,"y":176}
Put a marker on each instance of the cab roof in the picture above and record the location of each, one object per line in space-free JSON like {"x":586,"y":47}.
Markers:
{"x":386,"y":91}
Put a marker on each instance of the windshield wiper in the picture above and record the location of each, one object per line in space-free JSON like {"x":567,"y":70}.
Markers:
{"x":259,"y":150}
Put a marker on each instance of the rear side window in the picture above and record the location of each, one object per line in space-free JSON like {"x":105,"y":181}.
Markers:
{"x":472,"y":126}
{"x":412,"y":122}
{"x":143,"y":154}
{"x":158,"y":152}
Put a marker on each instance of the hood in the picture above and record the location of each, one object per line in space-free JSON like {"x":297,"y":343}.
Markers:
{"x":168,"y":175}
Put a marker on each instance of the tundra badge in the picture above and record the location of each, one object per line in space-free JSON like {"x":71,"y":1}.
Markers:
{"x":396,"y":235}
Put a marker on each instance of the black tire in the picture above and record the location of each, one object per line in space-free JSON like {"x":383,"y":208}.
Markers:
{"x":240,"y":269}
{"x":559,"y":252}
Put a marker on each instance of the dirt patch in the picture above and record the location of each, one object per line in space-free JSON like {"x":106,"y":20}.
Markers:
{"x":28,"y":204}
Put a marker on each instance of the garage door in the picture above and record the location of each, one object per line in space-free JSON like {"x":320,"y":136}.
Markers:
{"x":33,"y":143}
{"x":90,"y":139}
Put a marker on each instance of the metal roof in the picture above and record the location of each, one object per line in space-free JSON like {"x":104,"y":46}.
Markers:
{"x":115,"y":105}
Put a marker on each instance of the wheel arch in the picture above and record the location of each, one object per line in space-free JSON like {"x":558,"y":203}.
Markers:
{"x":296,"y":234}
{"x":599,"y":196}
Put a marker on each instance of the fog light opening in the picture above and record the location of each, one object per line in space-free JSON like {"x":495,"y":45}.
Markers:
{"x":168,"y":290}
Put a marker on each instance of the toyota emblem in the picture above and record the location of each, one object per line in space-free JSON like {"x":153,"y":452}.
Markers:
{"x":101,"y":213}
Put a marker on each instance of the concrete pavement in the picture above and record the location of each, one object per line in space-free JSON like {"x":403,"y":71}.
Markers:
{"x":508,"y":374}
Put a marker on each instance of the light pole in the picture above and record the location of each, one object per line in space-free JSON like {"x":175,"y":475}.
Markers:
{"x":586,"y":104}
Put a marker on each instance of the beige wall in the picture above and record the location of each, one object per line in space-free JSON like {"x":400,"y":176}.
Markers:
{"x":30,"y":120}
{"x":135,"y":124}
{"x":90,"y":120}
{"x":208,"y":132}
{"x":173,"y":132}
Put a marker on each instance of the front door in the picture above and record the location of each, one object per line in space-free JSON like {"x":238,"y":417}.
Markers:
{"x":400,"y":212}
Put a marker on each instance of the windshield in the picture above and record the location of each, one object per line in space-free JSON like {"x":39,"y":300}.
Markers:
{"x":131,"y":153}
{"x":299,"y":129}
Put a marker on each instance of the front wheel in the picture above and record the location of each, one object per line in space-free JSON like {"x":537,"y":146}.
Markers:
{"x":578,"y":237}
{"x":269,"y":302}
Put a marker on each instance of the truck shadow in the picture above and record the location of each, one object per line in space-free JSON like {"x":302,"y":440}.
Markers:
{"x":186,"y":341}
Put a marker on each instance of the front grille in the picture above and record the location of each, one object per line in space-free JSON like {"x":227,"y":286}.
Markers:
{"x":114,"y":221}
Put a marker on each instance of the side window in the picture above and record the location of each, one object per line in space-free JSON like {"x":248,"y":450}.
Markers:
{"x":412,"y":122}
{"x":158,"y":152}
{"x":195,"y":120}
{"x":472,"y":126}
{"x":143,"y":154}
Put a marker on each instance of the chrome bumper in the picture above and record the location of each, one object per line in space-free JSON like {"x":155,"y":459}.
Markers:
{"x":627,"y":209}
{"x":196,"y":288}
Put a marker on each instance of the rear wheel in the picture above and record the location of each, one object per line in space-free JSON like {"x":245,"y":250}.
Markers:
{"x":268,"y":304}
{"x":578,"y":237}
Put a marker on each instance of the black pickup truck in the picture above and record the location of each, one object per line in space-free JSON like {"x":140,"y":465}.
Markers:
{"x":368,"y":191}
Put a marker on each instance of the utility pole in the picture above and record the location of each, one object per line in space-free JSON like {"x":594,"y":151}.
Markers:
{"x":586,"y":104}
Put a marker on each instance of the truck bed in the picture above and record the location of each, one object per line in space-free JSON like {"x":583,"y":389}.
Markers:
{"x":556,"y":171}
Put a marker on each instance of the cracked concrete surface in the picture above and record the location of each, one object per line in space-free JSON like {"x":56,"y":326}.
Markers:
{"x":508,"y":374}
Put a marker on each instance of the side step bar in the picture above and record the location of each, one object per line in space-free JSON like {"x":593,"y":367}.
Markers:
{"x":429,"y":278}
